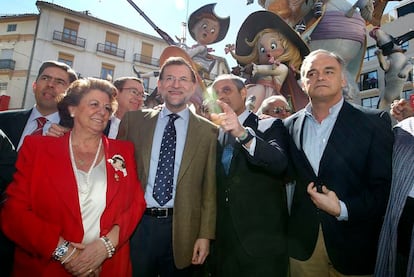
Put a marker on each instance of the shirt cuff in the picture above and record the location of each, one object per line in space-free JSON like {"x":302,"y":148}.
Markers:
{"x":252,"y":146}
{"x":343,"y":216}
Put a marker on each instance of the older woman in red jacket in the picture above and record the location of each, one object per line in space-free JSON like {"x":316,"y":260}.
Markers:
{"x":75,"y":200}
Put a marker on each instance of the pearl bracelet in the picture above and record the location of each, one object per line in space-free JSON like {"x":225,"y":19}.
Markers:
{"x":109,"y":246}
{"x":68,"y":256}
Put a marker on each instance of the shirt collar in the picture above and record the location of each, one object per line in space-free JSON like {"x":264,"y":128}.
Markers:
{"x":243,"y":116}
{"x":184,"y":114}
{"x":333,"y":111}
{"x":54,"y":117}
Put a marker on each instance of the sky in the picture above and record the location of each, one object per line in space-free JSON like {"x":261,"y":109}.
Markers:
{"x":169,"y":18}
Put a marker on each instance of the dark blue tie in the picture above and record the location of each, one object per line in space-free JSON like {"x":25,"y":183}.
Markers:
{"x":164,"y":179}
{"x":227,"y":152}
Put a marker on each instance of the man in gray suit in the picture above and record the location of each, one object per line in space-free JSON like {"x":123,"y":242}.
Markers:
{"x":175,"y":233}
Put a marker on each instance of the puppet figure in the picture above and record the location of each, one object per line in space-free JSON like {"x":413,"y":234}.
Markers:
{"x":395,"y":64}
{"x":271,"y":52}
{"x":205,"y":28}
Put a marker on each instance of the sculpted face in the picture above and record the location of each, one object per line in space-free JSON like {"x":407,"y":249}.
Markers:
{"x":270,"y":47}
{"x":206,"y":31}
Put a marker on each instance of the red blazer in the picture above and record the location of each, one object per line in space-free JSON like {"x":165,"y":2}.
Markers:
{"x":42,"y":204}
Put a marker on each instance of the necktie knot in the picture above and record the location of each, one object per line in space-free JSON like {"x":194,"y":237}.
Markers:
{"x":41,"y":121}
{"x":173,"y":117}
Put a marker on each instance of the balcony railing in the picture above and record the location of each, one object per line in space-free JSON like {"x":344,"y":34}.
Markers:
{"x":78,"y":41}
{"x":146,"y":59}
{"x":101,"y":47}
{"x":7,"y":64}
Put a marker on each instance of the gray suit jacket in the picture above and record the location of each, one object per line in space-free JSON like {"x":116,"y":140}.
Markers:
{"x":195,"y":200}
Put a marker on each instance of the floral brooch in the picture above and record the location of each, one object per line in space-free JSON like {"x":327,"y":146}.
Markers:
{"x":118,"y":163}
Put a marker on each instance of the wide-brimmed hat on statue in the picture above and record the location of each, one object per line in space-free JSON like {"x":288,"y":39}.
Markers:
{"x":208,"y":9}
{"x":260,"y":20}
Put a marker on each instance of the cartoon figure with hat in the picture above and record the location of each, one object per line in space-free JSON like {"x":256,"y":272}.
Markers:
{"x":205,"y":28}
{"x":271,"y":53}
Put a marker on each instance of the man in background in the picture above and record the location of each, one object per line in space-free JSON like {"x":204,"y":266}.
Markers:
{"x":48,"y":88}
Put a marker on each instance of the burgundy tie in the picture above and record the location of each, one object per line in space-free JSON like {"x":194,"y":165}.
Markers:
{"x":40,"y":123}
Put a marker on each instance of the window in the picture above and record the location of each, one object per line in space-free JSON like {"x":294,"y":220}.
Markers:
{"x":370,"y":53}
{"x":11,"y":27}
{"x":66,"y":58}
{"x":107,"y":71}
{"x":368,"y":80}
{"x":3,"y":86}
{"x":70,"y":31}
{"x":146,"y":50}
{"x":111,"y":43}
{"x":370,"y":102}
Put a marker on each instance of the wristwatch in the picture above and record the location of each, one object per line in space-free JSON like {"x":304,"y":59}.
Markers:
{"x":61,"y":251}
{"x":246,"y":137}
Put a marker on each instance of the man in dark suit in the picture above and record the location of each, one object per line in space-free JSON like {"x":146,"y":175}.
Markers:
{"x":341,"y":156}
{"x":51,"y":82}
{"x":251,"y":199}
{"x":175,"y":233}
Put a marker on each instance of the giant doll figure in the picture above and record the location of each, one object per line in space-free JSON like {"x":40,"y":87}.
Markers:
{"x":271,"y":53}
{"x":332,"y":25}
{"x":205,"y":28}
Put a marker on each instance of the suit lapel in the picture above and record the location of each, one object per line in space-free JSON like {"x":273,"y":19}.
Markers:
{"x":194,"y":136}
{"x":64,"y":174}
{"x":147,"y":136}
{"x":298,"y":130}
{"x":297,"y":137}
{"x":112,"y":176}
{"x":338,"y":134}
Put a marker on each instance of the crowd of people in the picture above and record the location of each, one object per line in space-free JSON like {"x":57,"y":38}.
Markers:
{"x":95,"y":183}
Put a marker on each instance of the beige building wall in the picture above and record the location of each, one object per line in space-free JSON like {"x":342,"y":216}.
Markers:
{"x":16,"y":47}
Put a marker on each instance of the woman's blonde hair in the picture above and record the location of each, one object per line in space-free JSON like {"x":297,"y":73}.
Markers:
{"x":291,"y":56}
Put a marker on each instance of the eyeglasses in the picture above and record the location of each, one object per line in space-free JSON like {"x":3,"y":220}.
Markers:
{"x":136,"y":92}
{"x":55,"y":81}
{"x":279,"y":110}
{"x":169,"y":80}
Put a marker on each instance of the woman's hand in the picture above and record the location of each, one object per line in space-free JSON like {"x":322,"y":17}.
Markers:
{"x":88,"y":260}
{"x":56,"y":130}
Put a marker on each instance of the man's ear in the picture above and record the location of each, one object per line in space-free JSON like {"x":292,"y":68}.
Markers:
{"x":243,"y":93}
{"x":34,"y":84}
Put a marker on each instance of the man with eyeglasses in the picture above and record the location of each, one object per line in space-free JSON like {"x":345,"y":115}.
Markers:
{"x":179,"y":222}
{"x":51,"y":82}
{"x":274,"y":106}
{"x":130,"y":97}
